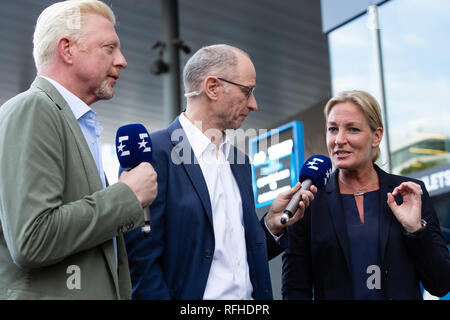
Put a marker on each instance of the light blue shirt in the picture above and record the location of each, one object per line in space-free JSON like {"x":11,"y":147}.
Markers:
{"x":90,"y":127}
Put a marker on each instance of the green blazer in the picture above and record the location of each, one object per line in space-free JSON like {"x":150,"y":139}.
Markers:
{"x":57,"y":221}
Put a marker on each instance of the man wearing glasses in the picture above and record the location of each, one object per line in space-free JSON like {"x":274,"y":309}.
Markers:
{"x":206,"y":240}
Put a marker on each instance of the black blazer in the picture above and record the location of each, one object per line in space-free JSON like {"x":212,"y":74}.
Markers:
{"x":316,"y":263}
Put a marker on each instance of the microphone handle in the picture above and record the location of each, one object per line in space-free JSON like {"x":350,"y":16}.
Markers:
{"x":146,"y":228}
{"x":293,"y":204}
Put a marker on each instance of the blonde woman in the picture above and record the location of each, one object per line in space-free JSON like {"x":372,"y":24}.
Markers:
{"x":368,"y":234}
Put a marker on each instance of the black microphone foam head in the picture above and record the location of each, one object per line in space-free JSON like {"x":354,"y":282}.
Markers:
{"x":318,"y":169}
{"x":133,"y":145}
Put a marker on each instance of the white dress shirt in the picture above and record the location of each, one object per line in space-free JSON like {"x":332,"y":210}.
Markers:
{"x":229,"y":276}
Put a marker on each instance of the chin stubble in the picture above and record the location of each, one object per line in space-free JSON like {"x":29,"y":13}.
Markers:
{"x":105,"y":91}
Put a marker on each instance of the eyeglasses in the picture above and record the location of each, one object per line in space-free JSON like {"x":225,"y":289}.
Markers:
{"x":250,"y":89}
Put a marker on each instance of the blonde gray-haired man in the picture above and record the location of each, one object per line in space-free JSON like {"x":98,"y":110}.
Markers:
{"x":61,"y":224}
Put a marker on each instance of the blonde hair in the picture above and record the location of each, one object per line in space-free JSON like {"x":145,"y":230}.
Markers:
{"x":63,"y":19}
{"x":369,"y":107}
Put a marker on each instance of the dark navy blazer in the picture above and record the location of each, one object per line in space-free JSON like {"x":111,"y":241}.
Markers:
{"x":174,"y":261}
{"x":316,"y":262}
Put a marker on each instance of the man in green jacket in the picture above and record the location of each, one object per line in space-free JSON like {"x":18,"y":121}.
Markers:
{"x":61,"y":224}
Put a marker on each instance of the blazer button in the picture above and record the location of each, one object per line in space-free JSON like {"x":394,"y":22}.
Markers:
{"x":208,"y":254}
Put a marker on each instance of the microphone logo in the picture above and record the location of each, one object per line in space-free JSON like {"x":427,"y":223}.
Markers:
{"x":142,"y":143}
{"x":121,"y":146}
{"x":327,"y":176}
{"x":313,"y":165}
{"x":318,"y":168}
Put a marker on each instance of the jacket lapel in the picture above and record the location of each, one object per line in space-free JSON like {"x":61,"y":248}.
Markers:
{"x":386,"y":216}
{"x":88,"y":161}
{"x":239,"y":172}
{"x":183,"y":154}
{"x":336,"y":211}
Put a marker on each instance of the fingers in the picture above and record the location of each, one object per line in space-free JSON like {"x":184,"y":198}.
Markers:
{"x":288,"y":194}
{"x":296,"y":188}
{"x":305,"y":201}
{"x":307,"y":196}
{"x":408,"y":213}
{"x":408,"y":187}
{"x":143,"y":182}
{"x":298,"y":214}
{"x":391,"y":202}
{"x":408,"y":190}
{"x":302,"y":198}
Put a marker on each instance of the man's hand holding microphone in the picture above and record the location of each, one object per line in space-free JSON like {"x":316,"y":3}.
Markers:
{"x":142,"y":181}
{"x":134,"y":151}
{"x":289,"y":206}
{"x":273,"y":217}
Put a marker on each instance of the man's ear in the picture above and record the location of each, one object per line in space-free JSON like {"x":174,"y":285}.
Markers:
{"x":65,"y":50}
{"x":211,"y":87}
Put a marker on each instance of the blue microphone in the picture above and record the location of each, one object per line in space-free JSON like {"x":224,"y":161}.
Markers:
{"x":133,"y":146}
{"x":315,"y":171}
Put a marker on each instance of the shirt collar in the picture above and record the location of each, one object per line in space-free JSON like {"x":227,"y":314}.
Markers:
{"x":199,"y":141}
{"x":78,"y":106}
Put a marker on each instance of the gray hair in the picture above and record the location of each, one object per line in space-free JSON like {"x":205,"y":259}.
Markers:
{"x":219,"y":60}
{"x":63,"y":19}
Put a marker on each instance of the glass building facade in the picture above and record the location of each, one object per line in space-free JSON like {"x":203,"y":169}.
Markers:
{"x":414,"y":42}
